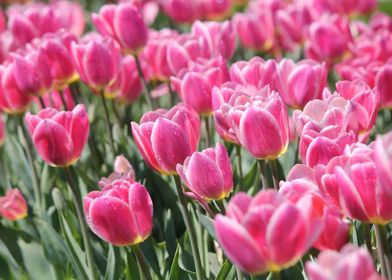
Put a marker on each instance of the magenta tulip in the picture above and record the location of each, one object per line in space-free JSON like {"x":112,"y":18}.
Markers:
{"x":13,"y":205}
{"x":208,"y":174}
{"x":167,"y":138}
{"x":254,"y":234}
{"x":59,"y":137}
{"x":383,"y":160}
{"x":384,"y":85}
{"x":121,"y":213}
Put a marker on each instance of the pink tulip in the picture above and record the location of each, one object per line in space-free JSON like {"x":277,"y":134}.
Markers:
{"x":351,"y":181}
{"x":12,"y":99}
{"x":2,"y":130}
{"x":13,"y":205}
{"x":299,"y":83}
{"x":182,"y":11}
{"x":59,"y":137}
{"x":194,"y":84}
{"x":383,"y":160}
{"x":351,"y":7}
{"x":212,"y":161}
{"x":167,"y":138}
{"x":120,"y":214}
{"x":384,"y":85}
{"x":125,"y":24}
{"x":127,"y":86}
{"x":70,"y":15}
{"x":350,"y":263}
{"x":98,"y":62}
{"x":254,"y":234}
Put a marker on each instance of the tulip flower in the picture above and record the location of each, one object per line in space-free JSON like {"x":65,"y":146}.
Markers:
{"x":351,"y":181}
{"x":13,"y":205}
{"x":254,"y":234}
{"x":167,"y":138}
{"x":350,"y":263}
{"x":299,"y":83}
{"x":345,"y":8}
{"x":59,"y":137}
{"x":125,"y":24}
{"x":12,"y":99}
{"x":208,"y":174}
{"x":2,"y":130}
{"x":383,"y":160}
{"x":384,"y":85}
{"x":98,"y":62}
{"x":120,"y":214}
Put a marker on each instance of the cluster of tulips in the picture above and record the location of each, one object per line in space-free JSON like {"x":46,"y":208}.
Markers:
{"x":249,"y":139}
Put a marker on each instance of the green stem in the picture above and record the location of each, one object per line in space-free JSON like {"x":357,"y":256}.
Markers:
{"x":239,"y":273}
{"x":108,"y":124}
{"x":275,"y":275}
{"x":264,"y":180}
{"x":63,"y":100}
{"x":366,"y":234}
{"x":383,"y":252}
{"x":296,"y":158}
{"x":82,"y":222}
{"x":29,"y":154}
{"x":239,"y":166}
{"x":207,"y":136}
{"x":275,"y":174}
{"x":172,"y":95}
{"x":221,"y":206}
{"x":41,"y":102}
{"x":142,"y":262}
{"x":147,"y":90}
{"x":189,"y":226}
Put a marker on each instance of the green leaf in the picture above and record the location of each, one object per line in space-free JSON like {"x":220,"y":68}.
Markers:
{"x":175,"y":268}
{"x":208,"y":224}
{"x":12,"y":263}
{"x":385,"y":6}
{"x":224,"y":271}
{"x":113,"y":267}
{"x":249,"y":179}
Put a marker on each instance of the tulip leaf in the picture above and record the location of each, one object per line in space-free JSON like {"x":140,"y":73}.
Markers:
{"x":175,"y":269}
{"x":170,"y":235}
{"x":149,"y":253}
{"x":224,"y":271}
{"x":249,"y":179}
{"x":208,"y":224}
{"x":385,"y":6}
{"x":12,"y":263}
{"x":113,"y":267}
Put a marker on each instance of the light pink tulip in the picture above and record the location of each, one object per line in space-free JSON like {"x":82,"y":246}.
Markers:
{"x":13,"y":205}
{"x":215,"y":162}
{"x":59,"y":137}
{"x":350,"y":263}
{"x":254,"y":235}
{"x":167,"y":138}
{"x":125,"y":24}
{"x":121,"y":213}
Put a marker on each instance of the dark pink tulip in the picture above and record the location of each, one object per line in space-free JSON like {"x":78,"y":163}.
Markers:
{"x":182,"y":11}
{"x":59,"y":137}
{"x":299,"y":83}
{"x":250,"y":34}
{"x":351,"y":7}
{"x":22,"y":29}
{"x":12,"y":99}
{"x":98,"y":62}
{"x":350,"y":263}
{"x":214,"y":9}
{"x":167,"y":138}
{"x":254,"y":234}
{"x":13,"y":205}
{"x":2,"y":130}
{"x":125,"y":24}
{"x":383,"y":160}
{"x":120,"y":214}
{"x":194,"y":84}
{"x":208,"y":174}
{"x":351,"y":181}
{"x":70,"y":16}
{"x":127,"y":86}
{"x":384,"y":85}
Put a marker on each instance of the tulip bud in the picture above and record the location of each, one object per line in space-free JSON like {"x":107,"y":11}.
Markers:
{"x":167,"y":138}
{"x":349,"y":264}
{"x":121,"y":213}
{"x":125,"y":24}
{"x":59,"y":137}
{"x":208,"y":174}
{"x":13,"y":205}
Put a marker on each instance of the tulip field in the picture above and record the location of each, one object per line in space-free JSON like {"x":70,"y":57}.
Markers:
{"x":196,"y":140}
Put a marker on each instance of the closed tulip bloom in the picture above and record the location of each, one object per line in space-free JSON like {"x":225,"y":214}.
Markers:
{"x":98,"y":62}
{"x":254,"y":234}
{"x":12,"y":99}
{"x":383,"y":160}
{"x":125,"y":24}
{"x":182,"y":11}
{"x":299,"y":83}
{"x":208,"y":174}
{"x":352,"y":7}
{"x":13,"y":205}
{"x":384,"y":85}
{"x":59,"y":137}
{"x":351,"y":181}
{"x":2,"y":130}
{"x":120,"y":214}
{"x":350,"y":263}
{"x":167,"y":138}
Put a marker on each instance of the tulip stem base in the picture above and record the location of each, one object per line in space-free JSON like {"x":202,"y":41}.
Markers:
{"x":190,"y":228}
{"x":239,"y":167}
{"x":275,"y":174}
{"x":263,"y":174}
{"x":146,"y":90}
{"x":142,"y":262}
{"x":108,"y":124}
{"x":207,"y":137}
{"x":83,"y":226}
{"x":383,"y":251}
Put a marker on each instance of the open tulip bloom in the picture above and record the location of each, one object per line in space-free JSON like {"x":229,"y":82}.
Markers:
{"x":196,"y":139}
